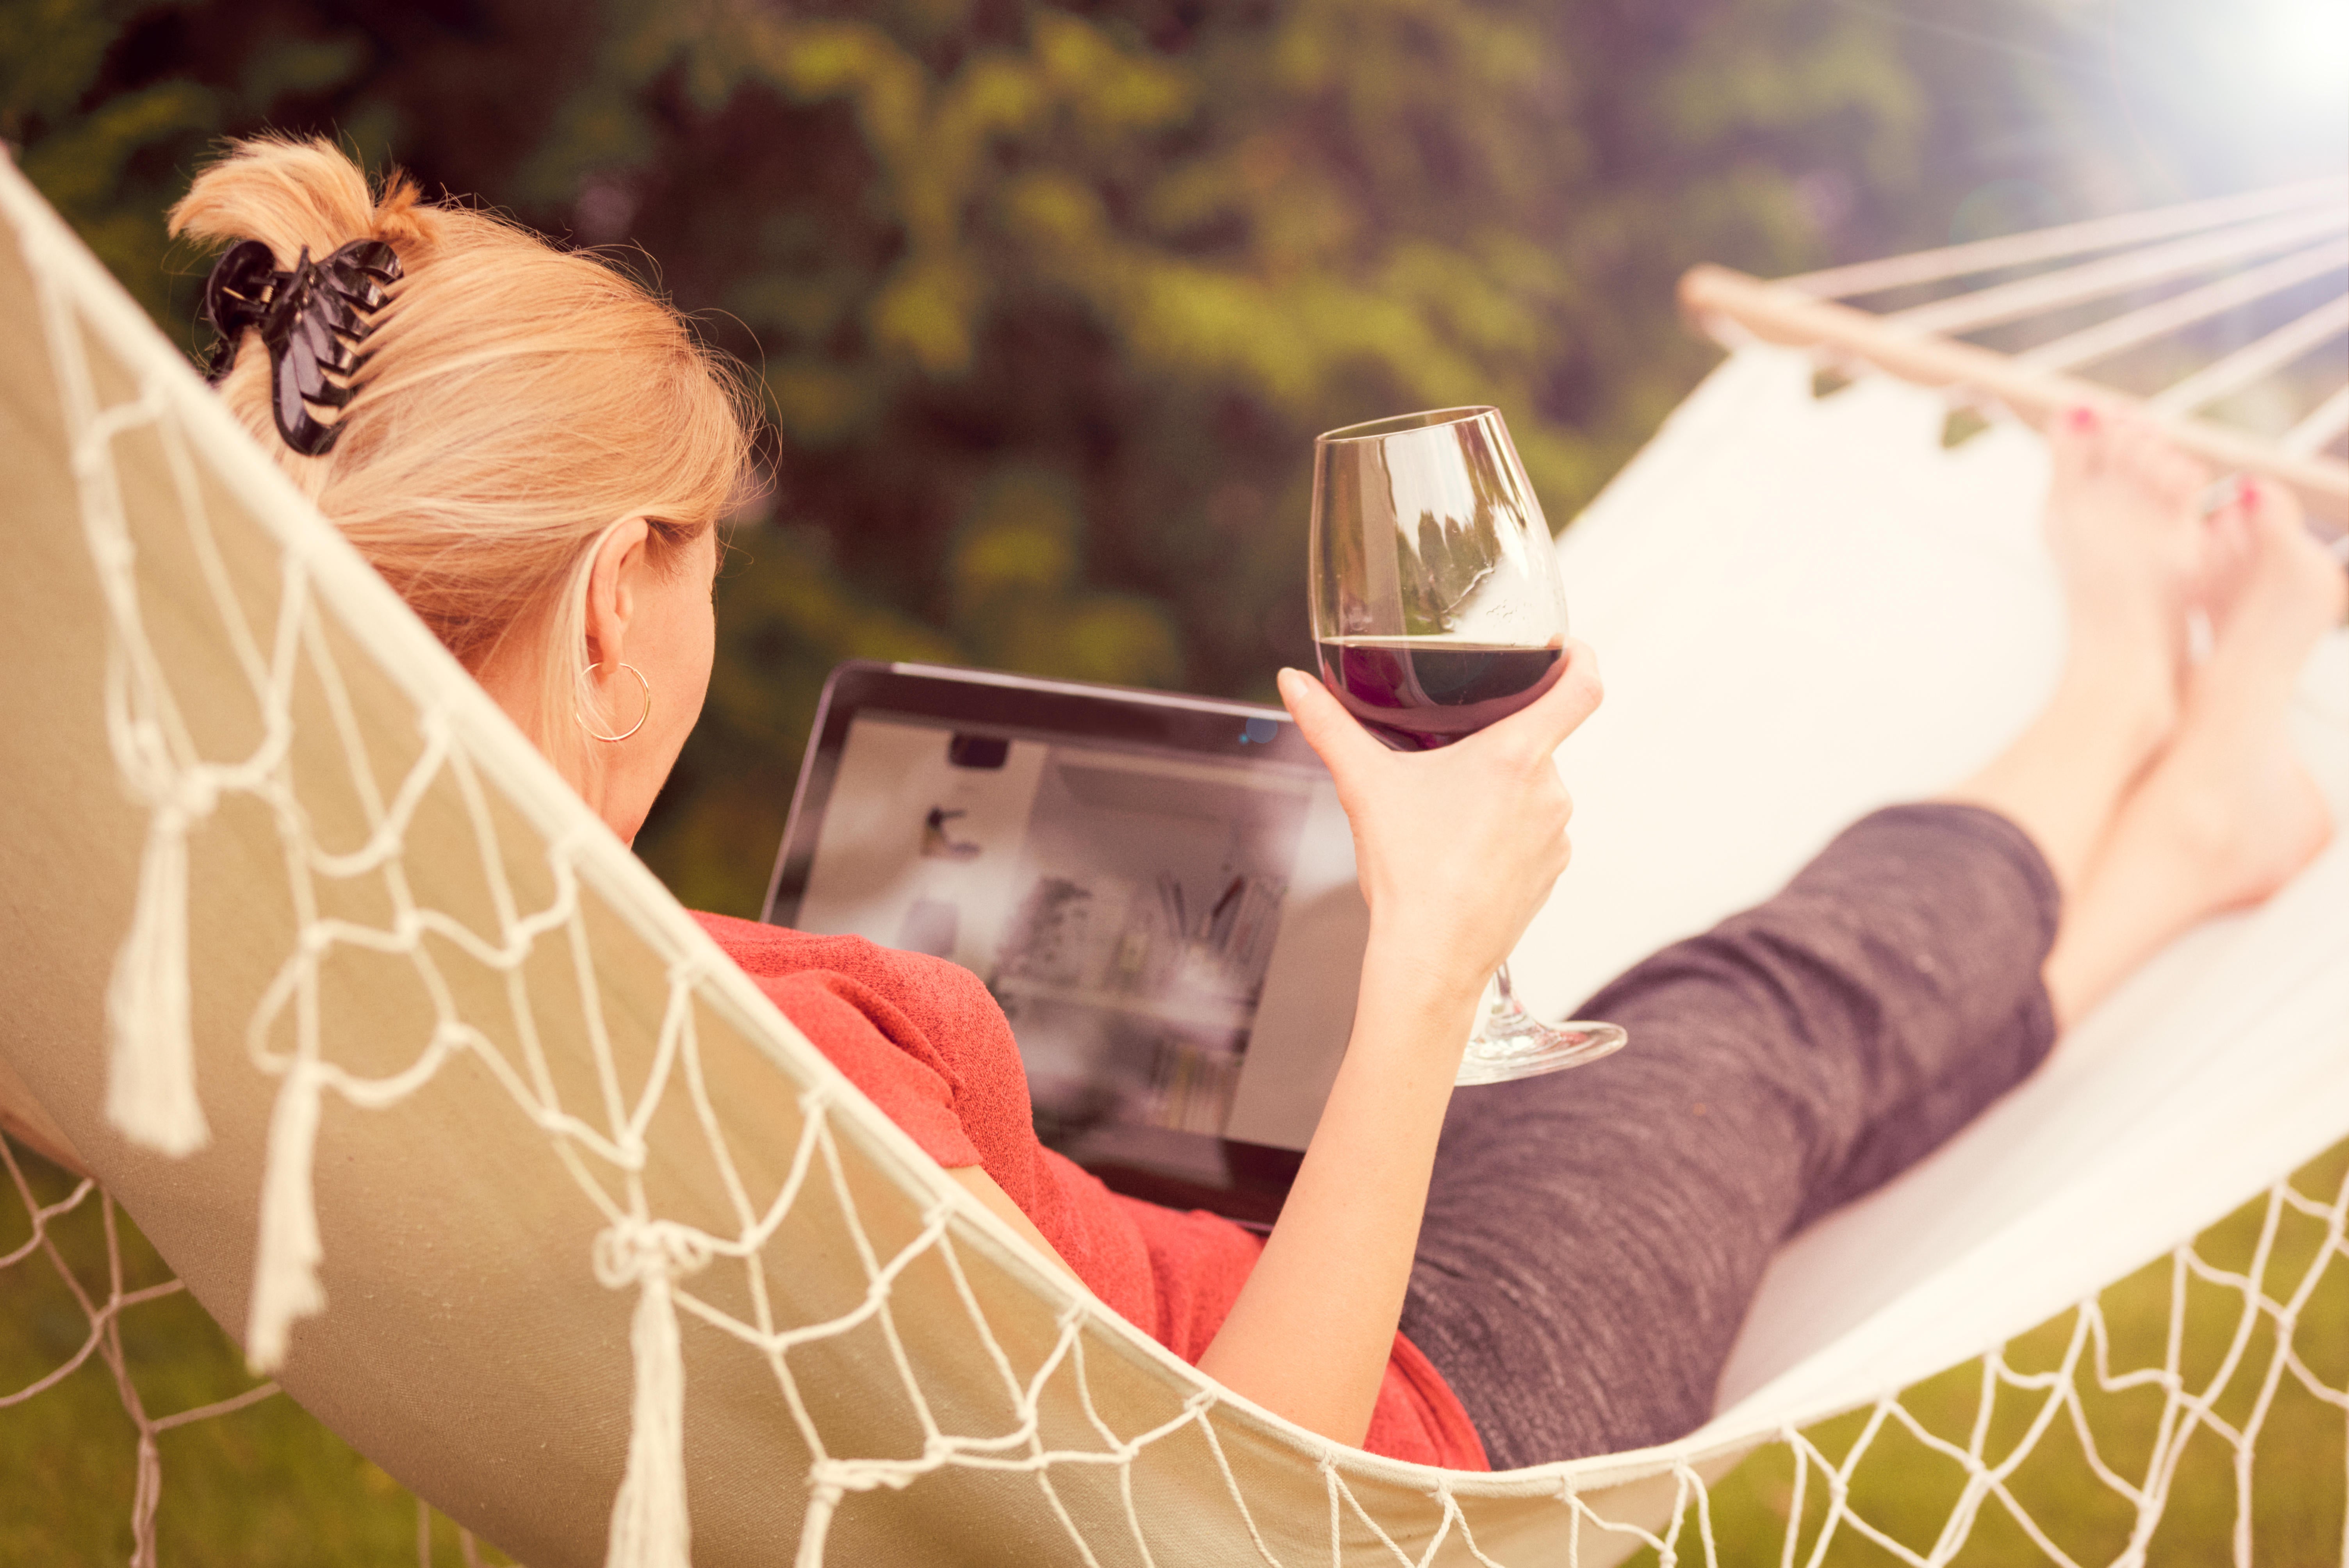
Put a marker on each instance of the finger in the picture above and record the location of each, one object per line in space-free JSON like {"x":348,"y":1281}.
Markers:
{"x":1335,"y":735}
{"x":1558,"y":712}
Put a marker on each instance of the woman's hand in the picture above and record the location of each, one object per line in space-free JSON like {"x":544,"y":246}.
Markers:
{"x":1457,"y":847}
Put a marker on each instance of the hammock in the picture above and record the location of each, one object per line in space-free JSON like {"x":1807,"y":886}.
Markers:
{"x":431,"y":1094}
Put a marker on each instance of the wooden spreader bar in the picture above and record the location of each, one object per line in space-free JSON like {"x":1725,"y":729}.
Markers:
{"x":1711,"y":296}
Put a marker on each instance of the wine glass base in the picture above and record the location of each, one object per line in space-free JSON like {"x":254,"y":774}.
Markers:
{"x":1508,"y":1049}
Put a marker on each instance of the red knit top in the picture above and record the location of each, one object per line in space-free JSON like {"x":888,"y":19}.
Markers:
{"x":928,"y":1045}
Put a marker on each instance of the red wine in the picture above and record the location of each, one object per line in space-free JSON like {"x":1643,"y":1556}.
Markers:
{"x":1420,"y":693}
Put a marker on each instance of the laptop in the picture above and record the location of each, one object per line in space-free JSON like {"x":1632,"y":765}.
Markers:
{"x":1160,"y":890}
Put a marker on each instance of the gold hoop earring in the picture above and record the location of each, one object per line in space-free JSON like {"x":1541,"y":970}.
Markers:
{"x":599,"y":734}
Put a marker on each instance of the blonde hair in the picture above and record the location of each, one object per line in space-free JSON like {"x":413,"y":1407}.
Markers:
{"x":517,"y":403}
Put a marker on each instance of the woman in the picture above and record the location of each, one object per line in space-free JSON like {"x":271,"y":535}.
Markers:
{"x":537,"y":456}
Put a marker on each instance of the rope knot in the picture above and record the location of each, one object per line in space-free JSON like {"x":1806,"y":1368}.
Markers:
{"x":193,"y":795}
{"x":636,"y":1251}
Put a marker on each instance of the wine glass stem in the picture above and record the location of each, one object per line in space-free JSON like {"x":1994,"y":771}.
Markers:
{"x":1505,"y":1003}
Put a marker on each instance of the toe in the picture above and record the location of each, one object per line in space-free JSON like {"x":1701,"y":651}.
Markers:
{"x":2126,"y":454}
{"x":2275,"y":507}
{"x":2077,"y":438}
{"x":2229,"y":544}
{"x":2272,"y":522}
{"x":2148,"y":460}
{"x":2289,"y":582}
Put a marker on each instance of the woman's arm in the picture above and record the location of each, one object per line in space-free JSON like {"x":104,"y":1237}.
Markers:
{"x":1457,"y":850}
{"x":1313,"y":1327}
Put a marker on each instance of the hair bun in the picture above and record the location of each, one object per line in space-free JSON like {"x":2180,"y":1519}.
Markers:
{"x":402,"y":216}
{"x":294,"y":196}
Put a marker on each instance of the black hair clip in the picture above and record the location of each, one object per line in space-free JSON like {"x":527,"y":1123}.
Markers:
{"x":312,"y":317}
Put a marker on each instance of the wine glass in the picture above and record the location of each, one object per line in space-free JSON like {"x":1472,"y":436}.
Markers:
{"x":1438,"y":610}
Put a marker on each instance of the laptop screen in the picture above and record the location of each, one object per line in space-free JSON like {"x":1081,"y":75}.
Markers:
{"x":1160,"y":891}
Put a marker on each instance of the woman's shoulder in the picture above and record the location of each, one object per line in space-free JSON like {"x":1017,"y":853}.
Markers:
{"x":764,"y":949}
{"x":932,"y":985}
{"x":935,"y":1013}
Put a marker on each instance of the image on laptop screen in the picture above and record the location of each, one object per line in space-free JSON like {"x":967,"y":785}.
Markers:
{"x":1175,"y":937}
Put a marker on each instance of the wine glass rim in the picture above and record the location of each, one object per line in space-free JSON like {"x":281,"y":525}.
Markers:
{"x":1403,"y":424}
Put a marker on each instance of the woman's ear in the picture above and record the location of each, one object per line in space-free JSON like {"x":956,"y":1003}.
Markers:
{"x":614,"y":584}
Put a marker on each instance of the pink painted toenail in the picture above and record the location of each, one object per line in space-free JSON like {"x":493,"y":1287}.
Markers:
{"x":2084,"y":417}
{"x":2247,"y":489}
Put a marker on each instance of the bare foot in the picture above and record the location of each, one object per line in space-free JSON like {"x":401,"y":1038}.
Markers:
{"x":2229,"y":814}
{"x":2122,"y":524}
{"x":2129,"y":541}
{"x":2232,"y":788}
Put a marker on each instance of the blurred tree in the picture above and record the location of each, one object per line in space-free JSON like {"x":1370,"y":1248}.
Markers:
{"x":1048,"y":299}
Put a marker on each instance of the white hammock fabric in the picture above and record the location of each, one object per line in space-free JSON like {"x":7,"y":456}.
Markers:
{"x":560,"y":1223}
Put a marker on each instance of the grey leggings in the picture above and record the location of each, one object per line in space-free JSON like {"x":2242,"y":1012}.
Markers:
{"x":1593,"y":1237}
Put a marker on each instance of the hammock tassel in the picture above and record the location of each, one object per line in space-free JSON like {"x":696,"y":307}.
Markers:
{"x":650,"y":1527}
{"x":285,"y":1279}
{"x":146,"y":1495}
{"x":150,"y":1085}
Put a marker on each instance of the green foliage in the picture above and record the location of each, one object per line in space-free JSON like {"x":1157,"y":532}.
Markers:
{"x":1048,"y":299}
{"x":51,"y":55}
{"x":263,"y":1487}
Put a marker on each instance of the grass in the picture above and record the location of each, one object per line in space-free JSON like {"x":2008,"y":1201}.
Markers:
{"x":1905,"y":1488}
{"x":259,"y":1487}
{"x":267,"y":1485}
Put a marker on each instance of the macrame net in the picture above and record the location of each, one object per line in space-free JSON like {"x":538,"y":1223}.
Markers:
{"x":560,"y":1223}
{"x":2068,"y":1444}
